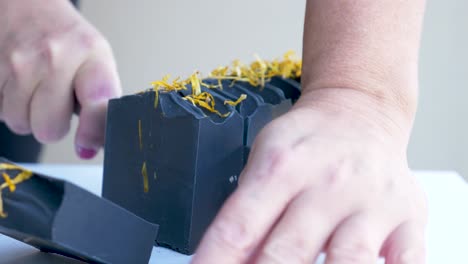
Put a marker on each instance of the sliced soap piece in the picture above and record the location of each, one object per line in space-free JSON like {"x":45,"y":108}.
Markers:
{"x":262,"y":105}
{"x":253,"y":109}
{"x":172,"y":163}
{"x":59,"y":217}
{"x":274,"y":96}
{"x":290,"y":87}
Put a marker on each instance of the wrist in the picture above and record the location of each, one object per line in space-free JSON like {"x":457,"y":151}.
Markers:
{"x":378,"y":116}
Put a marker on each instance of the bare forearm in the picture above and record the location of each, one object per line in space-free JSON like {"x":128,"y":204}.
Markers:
{"x":366,"y":45}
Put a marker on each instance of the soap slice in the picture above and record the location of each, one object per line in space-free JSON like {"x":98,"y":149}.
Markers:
{"x":59,"y":217}
{"x":172,"y":163}
{"x":255,"y":112}
{"x":290,"y":87}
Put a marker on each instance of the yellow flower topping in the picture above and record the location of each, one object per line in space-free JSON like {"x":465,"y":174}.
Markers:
{"x":257,"y":74}
{"x":144,"y":173}
{"x":238,"y":101}
{"x":9,"y":183}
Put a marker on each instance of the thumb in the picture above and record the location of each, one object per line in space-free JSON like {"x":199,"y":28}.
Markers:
{"x":95,"y":83}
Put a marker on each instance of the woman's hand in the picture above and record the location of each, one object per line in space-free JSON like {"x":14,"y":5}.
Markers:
{"x":51,"y":58}
{"x":331,"y":175}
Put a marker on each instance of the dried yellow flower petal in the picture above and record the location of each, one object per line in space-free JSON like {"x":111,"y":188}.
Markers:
{"x":8,"y":181}
{"x":195,"y":81}
{"x":206,"y":101}
{"x":23,"y":175}
{"x":257,"y":74}
{"x":6,"y":166}
{"x":238,"y":101}
{"x":2,"y":213}
{"x":139,"y":135}
{"x":144,"y":173}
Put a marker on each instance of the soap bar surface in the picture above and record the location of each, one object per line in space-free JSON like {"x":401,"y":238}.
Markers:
{"x":174,"y":163}
{"x":59,"y":217}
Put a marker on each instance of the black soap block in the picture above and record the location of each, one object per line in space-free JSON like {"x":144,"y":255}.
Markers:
{"x":257,"y":114}
{"x":274,"y":96}
{"x":59,"y":217}
{"x":262,"y":105}
{"x":172,"y":163}
{"x":253,"y":110}
{"x":290,"y":87}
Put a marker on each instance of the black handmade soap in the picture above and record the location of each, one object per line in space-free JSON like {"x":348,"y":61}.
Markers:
{"x":290,"y":87}
{"x":271,"y":95}
{"x":172,"y":163}
{"x":59,"y":217}
{"x":255,"y":111}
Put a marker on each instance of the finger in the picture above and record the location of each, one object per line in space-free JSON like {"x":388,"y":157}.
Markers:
{"x":52,"y":101}
{"x":95,"y":83}
{"x":250,"y":212}
{"x":18,"y":90}
{"x":52,"y":104}
{"x":240,"y":226}
{"x":406,"y":245}
{"x":3,"y":82}
{"x":358,"y":239}
{"x":15,"y":107}
{"x":301,"y":232}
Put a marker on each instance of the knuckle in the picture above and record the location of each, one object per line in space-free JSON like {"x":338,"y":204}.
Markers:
{"x":273,"y":167}
{"x":352,"y":253}
{"x":335,"y":175}
{"x":103,"y":43}
{"x":88,"y":40}
{"x":94,"y":41}
{"x":50,"y":51}
{"x":17,"y":64}
{"x":279,"y":158}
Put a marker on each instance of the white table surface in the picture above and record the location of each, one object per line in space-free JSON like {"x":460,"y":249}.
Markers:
{"x":447,"y":240}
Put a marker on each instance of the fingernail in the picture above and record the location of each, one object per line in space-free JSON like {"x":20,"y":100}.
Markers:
{"x":85,"y":153}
